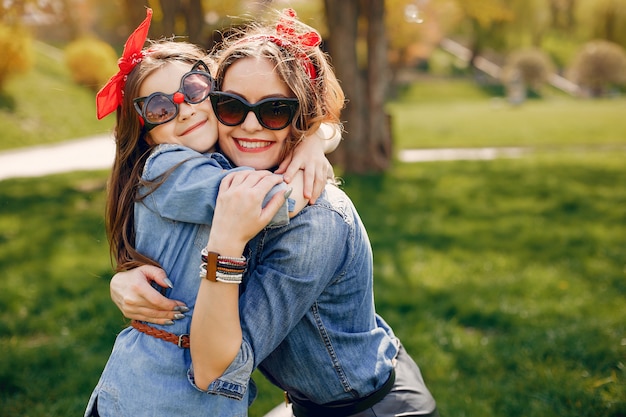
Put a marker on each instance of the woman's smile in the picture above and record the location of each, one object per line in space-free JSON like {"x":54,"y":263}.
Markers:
{"x":253,"y":145}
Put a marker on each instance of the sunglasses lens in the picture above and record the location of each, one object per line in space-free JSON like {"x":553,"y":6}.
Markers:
{"x":230,"y":111}
{"x":159,"y":109}
{"x":275,"y":114}
{"x":196,"y":87}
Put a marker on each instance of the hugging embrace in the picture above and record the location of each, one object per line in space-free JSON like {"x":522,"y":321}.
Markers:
{"x":234,"y":247}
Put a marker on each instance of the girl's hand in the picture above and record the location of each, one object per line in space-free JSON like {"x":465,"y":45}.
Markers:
{"x":239,"y":214}
{"x":137,"y":299}
{"x":309,"y":156}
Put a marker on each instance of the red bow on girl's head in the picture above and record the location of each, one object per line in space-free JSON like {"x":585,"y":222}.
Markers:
{"x":110,"y":96}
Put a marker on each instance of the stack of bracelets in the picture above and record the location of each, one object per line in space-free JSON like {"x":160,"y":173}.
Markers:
{"x":219,"y":268}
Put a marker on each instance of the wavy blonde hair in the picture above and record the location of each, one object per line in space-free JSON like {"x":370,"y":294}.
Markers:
{"x":321,"y":98}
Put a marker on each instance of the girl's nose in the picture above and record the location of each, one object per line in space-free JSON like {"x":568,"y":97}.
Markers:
{"x":186,"y":110}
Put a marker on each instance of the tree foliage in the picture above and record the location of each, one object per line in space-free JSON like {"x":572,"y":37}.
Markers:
{"x":599,"y":66}
{"x":530,"y":66}
{"x":91,"y":62}
{"x":16,"y":47}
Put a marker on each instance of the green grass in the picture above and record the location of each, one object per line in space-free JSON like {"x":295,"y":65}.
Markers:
{"x":43,"y":106}
{"x":431,"y":115}
{"x":504,"y":279}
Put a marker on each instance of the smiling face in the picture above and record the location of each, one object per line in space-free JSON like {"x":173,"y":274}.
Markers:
{"x":249,"y":143}
{"x":195,"y":126}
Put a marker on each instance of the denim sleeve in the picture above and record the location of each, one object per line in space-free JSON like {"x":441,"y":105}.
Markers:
{"x":234,"y":381}
{"x":189,"y":191}
{"x":297,"y":263}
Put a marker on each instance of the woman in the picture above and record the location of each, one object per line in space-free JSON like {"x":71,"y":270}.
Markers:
{"x":306,"y":308}
{"x":161,"y":197}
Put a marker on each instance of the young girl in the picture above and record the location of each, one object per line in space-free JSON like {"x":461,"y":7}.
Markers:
{"x":160,"y":203}
{"x":306,"y":311}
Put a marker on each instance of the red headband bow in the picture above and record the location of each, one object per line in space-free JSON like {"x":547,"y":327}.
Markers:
{"x":287,"y":36}
{"x":110,"y":96}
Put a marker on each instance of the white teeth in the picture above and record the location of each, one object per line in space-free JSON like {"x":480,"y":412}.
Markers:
{"x":252,"y":145}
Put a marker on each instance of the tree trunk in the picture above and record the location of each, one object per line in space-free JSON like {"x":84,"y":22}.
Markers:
{"x":342,"y":18}
{"x":135,"y":12}
{"x":367,"y":140}
{"x":378,"y":77}
{"x":170,"y":9}
{"x":194,"y":18}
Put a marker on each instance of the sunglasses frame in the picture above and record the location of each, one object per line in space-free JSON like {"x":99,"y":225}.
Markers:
{"x":198,"y":68}
{"x":291,"y":103}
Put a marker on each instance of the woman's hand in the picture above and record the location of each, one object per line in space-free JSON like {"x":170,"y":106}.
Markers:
{"x":309,"y":156}
{"x":137,"y":299}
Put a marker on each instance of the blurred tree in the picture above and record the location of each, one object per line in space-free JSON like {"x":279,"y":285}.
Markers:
{"x":90,"y":61}
{"x":485,"y":19}
{"x":191,"y":11}
{"x":367,"y":144}
{"x":599,"y":66}
{"x":531,"y":66}
{"x":134,"y":13}
{"x":17,"y":54}
{"x":609,"y":21}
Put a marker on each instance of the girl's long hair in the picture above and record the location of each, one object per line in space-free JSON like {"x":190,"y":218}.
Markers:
{"x":131,"y":151}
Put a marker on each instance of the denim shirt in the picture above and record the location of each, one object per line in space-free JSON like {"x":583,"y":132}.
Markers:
{"x":307,"y":310}
{"x":149,"y":376}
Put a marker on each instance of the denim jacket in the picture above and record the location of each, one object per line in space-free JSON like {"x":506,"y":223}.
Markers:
{"x":148,"y":376}
{"x":307,"y":310}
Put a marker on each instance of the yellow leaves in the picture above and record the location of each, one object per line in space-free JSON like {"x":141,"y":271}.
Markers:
{"x":486,"y":12}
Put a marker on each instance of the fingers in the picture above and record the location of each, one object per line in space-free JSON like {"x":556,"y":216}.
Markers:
{"x":239,"y":213}
{"x":272,"y":207}
{"x":283,"y":168}
{"x":137,"y":299}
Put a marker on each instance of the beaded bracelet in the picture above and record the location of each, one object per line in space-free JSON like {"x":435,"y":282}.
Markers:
{"x":220,"y":276}
{"x":226,"y":261}
{"x":222,"y":268}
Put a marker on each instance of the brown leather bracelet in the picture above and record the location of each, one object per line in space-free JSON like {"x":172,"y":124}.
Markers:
{"x":211,"y":266}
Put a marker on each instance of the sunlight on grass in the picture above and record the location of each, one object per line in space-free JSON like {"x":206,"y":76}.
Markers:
{"x":560,"y":122}
{"x":48,"y":108}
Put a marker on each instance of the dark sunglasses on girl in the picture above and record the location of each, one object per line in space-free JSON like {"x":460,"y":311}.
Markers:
{"x":274,"y":113}
{"x":159,"y":108}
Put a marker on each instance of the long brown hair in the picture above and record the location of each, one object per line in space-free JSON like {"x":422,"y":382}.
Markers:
{"x":131,"y":151}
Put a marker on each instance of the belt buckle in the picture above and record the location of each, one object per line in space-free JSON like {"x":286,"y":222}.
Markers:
{"x":180,"y":340}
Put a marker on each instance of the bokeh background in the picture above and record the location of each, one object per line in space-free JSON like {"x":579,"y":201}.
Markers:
{"x":499,"y":254}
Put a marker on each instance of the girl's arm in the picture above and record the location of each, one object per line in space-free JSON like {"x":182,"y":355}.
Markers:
{"x":215,"y":334}
{"x":309,"y":156}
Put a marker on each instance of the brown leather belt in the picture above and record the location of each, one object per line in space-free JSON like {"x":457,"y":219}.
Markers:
{"x":182,"y":341}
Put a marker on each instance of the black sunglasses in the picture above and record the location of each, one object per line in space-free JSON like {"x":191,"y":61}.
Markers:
{"x":159,"y":108}
{"x":273,"y":113}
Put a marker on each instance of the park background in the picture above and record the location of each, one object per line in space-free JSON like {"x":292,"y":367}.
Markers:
{"x":505,"y":278}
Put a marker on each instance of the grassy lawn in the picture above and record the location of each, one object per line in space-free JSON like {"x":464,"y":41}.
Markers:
{"x":440,"y":114}
{"x":43,"y":106}
{"x":505,"y":279}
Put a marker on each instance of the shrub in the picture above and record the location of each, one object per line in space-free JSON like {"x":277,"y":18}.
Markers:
{"x":17,"y":56}
{"x":91,"y":62}
{"x":599,"y":66}
{"x":532,"y":67}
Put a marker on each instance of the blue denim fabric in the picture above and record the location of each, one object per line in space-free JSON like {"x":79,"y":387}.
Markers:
{"x":149,"y":376}
{"x":307,"y":310}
